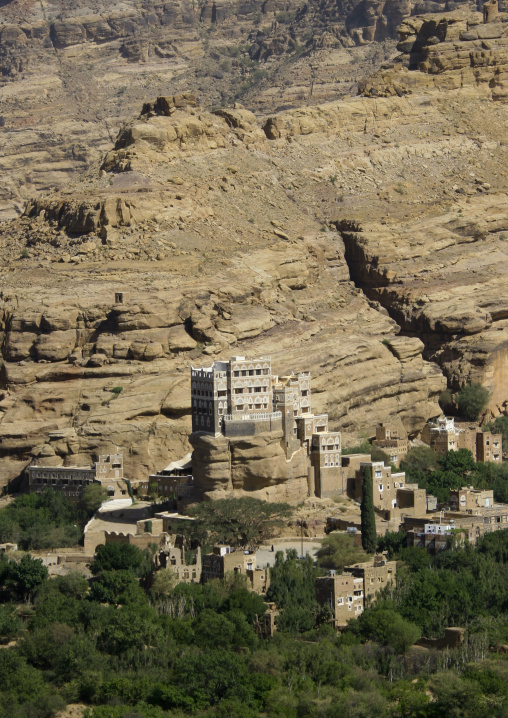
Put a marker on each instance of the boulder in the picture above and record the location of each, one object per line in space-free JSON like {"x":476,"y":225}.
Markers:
{"x":56,"y":346}
{"x":179,"y":340}
{"x":18,"y":345}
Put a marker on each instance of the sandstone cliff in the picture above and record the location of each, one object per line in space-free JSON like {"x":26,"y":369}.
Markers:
{"x":255,"y":466}
{"x":216,"y":237}
{"x":72,"y":73}
{"x":313,"y":235}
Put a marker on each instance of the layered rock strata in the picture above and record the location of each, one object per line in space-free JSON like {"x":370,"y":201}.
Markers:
{"x":446,"y":52}
{"x":224,"y":234}
{"x":72,"y":73}
{"x":249,"y":466}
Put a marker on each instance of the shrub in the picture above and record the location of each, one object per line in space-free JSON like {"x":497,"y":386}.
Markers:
{"x":472,"y":400}
{"x":420,"y":459}
{"x":446,"y":401}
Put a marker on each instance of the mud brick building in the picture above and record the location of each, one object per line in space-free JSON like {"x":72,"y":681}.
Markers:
{"x":345,"y":593}
{"x":393,"y":498}
{"x":224,"y":560}
{"x":445,"y":434}
{"x":71,"y":480}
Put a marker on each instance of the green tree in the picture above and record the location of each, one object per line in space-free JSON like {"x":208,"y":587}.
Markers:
{"x":10,"y":625}
{"x":339,"y":550}
{"x":368,"y":517}
{"x":246,"y":602}
{"x":392,"y":542}
{"x":461,"y":462}
{"x":389,"y":628}
{"x":117,"y":587}
{"x":243,"y":522}
{"x":472,"y":400}
{"x":292,"y":587}
{"x":120,"y":557}
{"x":92,"y":497}
{"x":25,"y":577}
{"x":419,"y":460}
{"x":164,"y":581}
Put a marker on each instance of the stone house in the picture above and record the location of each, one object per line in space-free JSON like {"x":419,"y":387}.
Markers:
{"x":392,"y":497}
{"x":489,"y":446}
{"x":71,"y":480}
{"x":392,"y":439}
{"x":438,"y":531}
{"x":174,"y":480}
{"x":469,"y":499}
{"x":224,"y":560}
{"x":172,"y":556}
{"x":445,"y":434}
{"x":345,"y":593}
{"x":241,"y":397}
{"x":266,"y":626}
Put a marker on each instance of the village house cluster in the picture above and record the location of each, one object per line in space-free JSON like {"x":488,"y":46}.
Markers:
{"x":71,"y":480}
{"x":241,"y":398}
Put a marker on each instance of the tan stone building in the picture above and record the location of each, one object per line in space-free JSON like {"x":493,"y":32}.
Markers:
{"x":489,"y":446}
{"x":266,"y":626}
{"x":224,"y":560}
{"x":345,"y":593}
{"x":441,"y":435}
{"x":439,"y":531}
{"x":469,"y":499}
{"x":175,"y":480}
{"x":445,"y":434}
{"x":393,"y":498}
{"x":392,"y":439}
{"x":71,"y":480}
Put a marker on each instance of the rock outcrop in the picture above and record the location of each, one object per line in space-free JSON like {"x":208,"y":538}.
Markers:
{"x":252,"y":466}
{"x":445,"y":52}
{"x":361,"y":240}
{"x":443,"y":280}
{"x":73,"y":74}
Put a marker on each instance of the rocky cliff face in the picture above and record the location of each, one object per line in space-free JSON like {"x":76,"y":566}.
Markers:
{"x":218,"y":240}
{"x":72,"y":73}
{"x":253,"y":466}
{"x":314,"y":235}
{"x":446,"y":51}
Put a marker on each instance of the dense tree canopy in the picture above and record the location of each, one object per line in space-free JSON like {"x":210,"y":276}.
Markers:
{"x":243,"y":522}
{"x":339,"y":550}
{"x":128,"y":652}
{"x":41,"y":521}
{"x":121,"y":557}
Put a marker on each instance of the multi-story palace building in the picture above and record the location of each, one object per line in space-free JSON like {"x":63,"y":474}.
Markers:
{"x":242,"y":397}
{"x":71,"y":480}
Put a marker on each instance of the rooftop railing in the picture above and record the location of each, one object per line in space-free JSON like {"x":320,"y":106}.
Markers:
{"x":258,"y":416}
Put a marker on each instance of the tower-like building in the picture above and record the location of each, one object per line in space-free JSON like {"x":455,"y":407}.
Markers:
{"x":241,"y":397}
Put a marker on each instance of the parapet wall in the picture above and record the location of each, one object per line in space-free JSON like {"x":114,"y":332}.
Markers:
{"x":248,"y":427}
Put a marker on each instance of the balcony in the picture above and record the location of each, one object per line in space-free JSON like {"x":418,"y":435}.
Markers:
{"x":259,"y":416}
